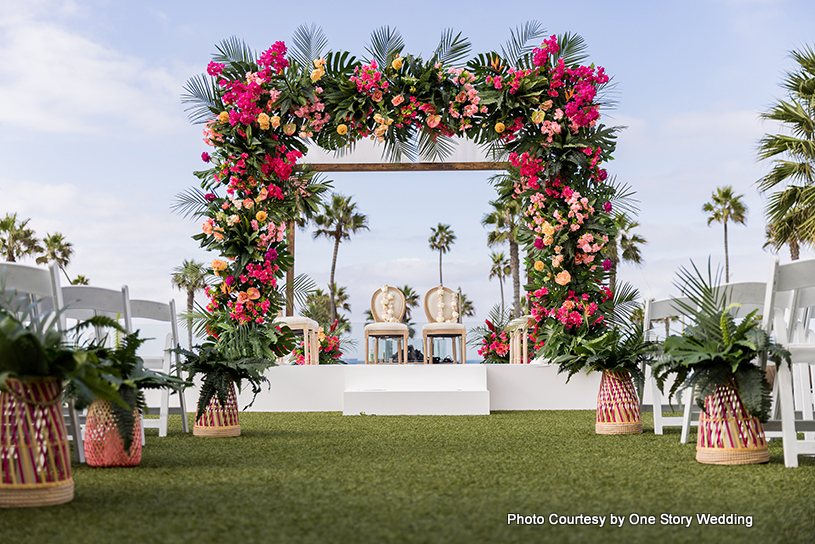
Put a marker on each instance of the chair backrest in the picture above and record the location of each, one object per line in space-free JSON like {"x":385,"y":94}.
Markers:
{"x":790,"y":290}
{"x":661,"y":309}
{"x":158,"y":311}
{"x":379,"y":305}
{"x":39,"y":283}
{"x":83,"y":301}
{"x":438,"y":302}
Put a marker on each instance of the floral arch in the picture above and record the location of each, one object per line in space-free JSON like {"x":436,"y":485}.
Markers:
{"x":534,"y":106}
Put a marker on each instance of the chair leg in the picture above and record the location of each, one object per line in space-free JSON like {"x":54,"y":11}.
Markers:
{"x":455,"y":357}
{"x":788,"y":432}
{"x":464,"y":348}
{"x":76,"y":432}
{"x":688,"y":415}
{"x":424,"y":347}
{"x":367,"y":353}
{"x":405,"y":348}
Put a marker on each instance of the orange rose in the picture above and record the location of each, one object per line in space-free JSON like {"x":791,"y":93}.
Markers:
{"x":500,"y":127}
{"x":563,"y":278}
{"x":261,"y":216}
{"x":342,"y":130}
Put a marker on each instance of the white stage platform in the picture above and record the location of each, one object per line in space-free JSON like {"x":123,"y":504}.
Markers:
{"x":341,"y":388}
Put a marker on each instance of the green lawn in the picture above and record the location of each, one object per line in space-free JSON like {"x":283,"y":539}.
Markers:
{"x":323,"y":477}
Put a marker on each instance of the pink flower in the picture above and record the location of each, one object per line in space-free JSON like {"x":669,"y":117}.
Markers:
{"x":214,"y":69}
{"x":205,"y":156}
{"x":398,"y":99}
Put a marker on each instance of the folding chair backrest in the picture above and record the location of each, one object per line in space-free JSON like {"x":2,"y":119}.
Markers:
{"x":40,"y":283}
{"x":83,"y":301}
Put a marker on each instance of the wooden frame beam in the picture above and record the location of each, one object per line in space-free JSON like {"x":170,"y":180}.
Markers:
{"x":402,"y":166}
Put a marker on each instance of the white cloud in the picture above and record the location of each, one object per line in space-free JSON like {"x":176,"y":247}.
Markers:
{"x":56,"y":80}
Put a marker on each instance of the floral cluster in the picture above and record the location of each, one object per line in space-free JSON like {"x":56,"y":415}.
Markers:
{"x":386,"y":299}
{"x":494,"y":345}
{"x":328,"y":347}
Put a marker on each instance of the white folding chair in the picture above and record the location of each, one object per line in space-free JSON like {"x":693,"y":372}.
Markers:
{"x":656,"y":310}
{"x":792,"y":389}
{"x":43,"y":284}
{"x":165,"y":313}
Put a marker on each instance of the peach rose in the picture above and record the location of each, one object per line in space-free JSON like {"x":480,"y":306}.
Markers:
{"x":263,"y":121}
{"x":500,"y":127}
{"x":253,"y":293}
{"x":539,"y":266}
{"x":563,"y":278}
{"x":261,"y":216}
{"x":342,"y":130}
{"x":377,"y":96}
{"x":398,"y":99}
{"x":223,"y":117}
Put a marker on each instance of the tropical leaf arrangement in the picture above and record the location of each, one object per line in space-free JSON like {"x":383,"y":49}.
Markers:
{"x":622,"y":347}
{"x":715,"y":349}
{"x":239,"y":354}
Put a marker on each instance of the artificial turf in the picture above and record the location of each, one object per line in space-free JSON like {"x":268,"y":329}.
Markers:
{"x":324,"y":477}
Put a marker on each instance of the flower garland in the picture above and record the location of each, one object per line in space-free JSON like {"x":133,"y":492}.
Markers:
{"x":440,"y":308}
{"x":387,"y":304}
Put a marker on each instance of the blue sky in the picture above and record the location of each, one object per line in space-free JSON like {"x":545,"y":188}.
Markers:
{"x":95,"y":142}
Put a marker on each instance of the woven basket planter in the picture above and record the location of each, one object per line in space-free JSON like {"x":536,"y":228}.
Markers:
{"x":217,"y":420}
{"x":728,"y":434}
{"x":618,"y":408}
{"x":35,"y":455}
{"x":104,"y":446}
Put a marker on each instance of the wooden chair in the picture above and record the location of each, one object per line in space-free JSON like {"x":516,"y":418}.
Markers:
{"x":388,"y":310}
{"x":439,"y":305}
{"x":163,"y":313}
{"x":309,"y":330}
{"x":43,"y":284}
{"x":519,"y":340}
{"x":792,"y":389}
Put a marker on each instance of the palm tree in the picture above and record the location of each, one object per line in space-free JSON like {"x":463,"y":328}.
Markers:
{"x":338,"y":221}
{"x":191,"y":277}
{"x":318,"y":307}
{"x":624,"y":247}
{"x":57,"y":249}
{"x":788,"y":213}
{"x":441,"y":238}
{"x":724,"y":207}
{"x":81,"y":280}
{"x":791,"y":216}
{"x":500,"y":269}
{"x":16,"y":240}
{"x":506,"y":220}
{"x":465,"y":305}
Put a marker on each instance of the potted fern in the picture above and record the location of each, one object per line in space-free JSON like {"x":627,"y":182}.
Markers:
{"x":113,"y":431}
{"x":720,"y":358}
{"x":233,"y":354}
{"x":620,"y":354}
{"x":35,"y":361}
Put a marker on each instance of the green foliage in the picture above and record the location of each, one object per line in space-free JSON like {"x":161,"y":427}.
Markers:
{"x":716,"y":350}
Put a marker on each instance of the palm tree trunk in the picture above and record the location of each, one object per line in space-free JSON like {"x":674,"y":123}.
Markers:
{"x":290,"y":272}
{"x":440,"y":282}
{"x":190,"y":305}
{"x":331,"y":288}
{"x":726,"y":257}
{"x":515,"y":266}
{"x":501,"y":283}
{"x":795,"y":249}
{"x":66,"y":275}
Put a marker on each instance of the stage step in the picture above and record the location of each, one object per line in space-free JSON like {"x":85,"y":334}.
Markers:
{"x":452,"y":390}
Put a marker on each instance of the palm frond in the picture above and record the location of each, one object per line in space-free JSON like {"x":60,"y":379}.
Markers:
{"x":308,"y":44}
{"x":623,"y":200}
{"x":625,"y":301}
{"x":341,"y":63}
{"x":385,"y":44}
{"x":452,"y":50}
{"x":302,"y":286}
{"x":573,"y":49}
{"x":518,"y":46}
{"x":234,"y":50}
{"x":200,"y":94}
{"x":435,"y":147}
{"x":190,"y":203}
{"x":395,"y":149}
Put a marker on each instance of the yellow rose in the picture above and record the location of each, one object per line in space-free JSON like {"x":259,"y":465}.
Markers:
{"x":261,"y":216}
{"x":223,"y":117}
{"x":342,"y":129}
{"x":218,"y":265}
{"x":539,"y":266}
{"x":397,"y":63}
{"x":317,"y":74}
{"x":263,"y":121}
{"x":499,"y":127}
{"x":289,"y":129}
{"x":538,"y":116}
{"x":275,"y":121}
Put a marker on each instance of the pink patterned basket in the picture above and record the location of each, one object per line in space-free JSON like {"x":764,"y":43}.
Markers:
{"x":35,"y":456}
{"x":728,"y":434}
{"x":217,"y":420}
{"x":104,"y":446}
{"x":618,"y":407}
